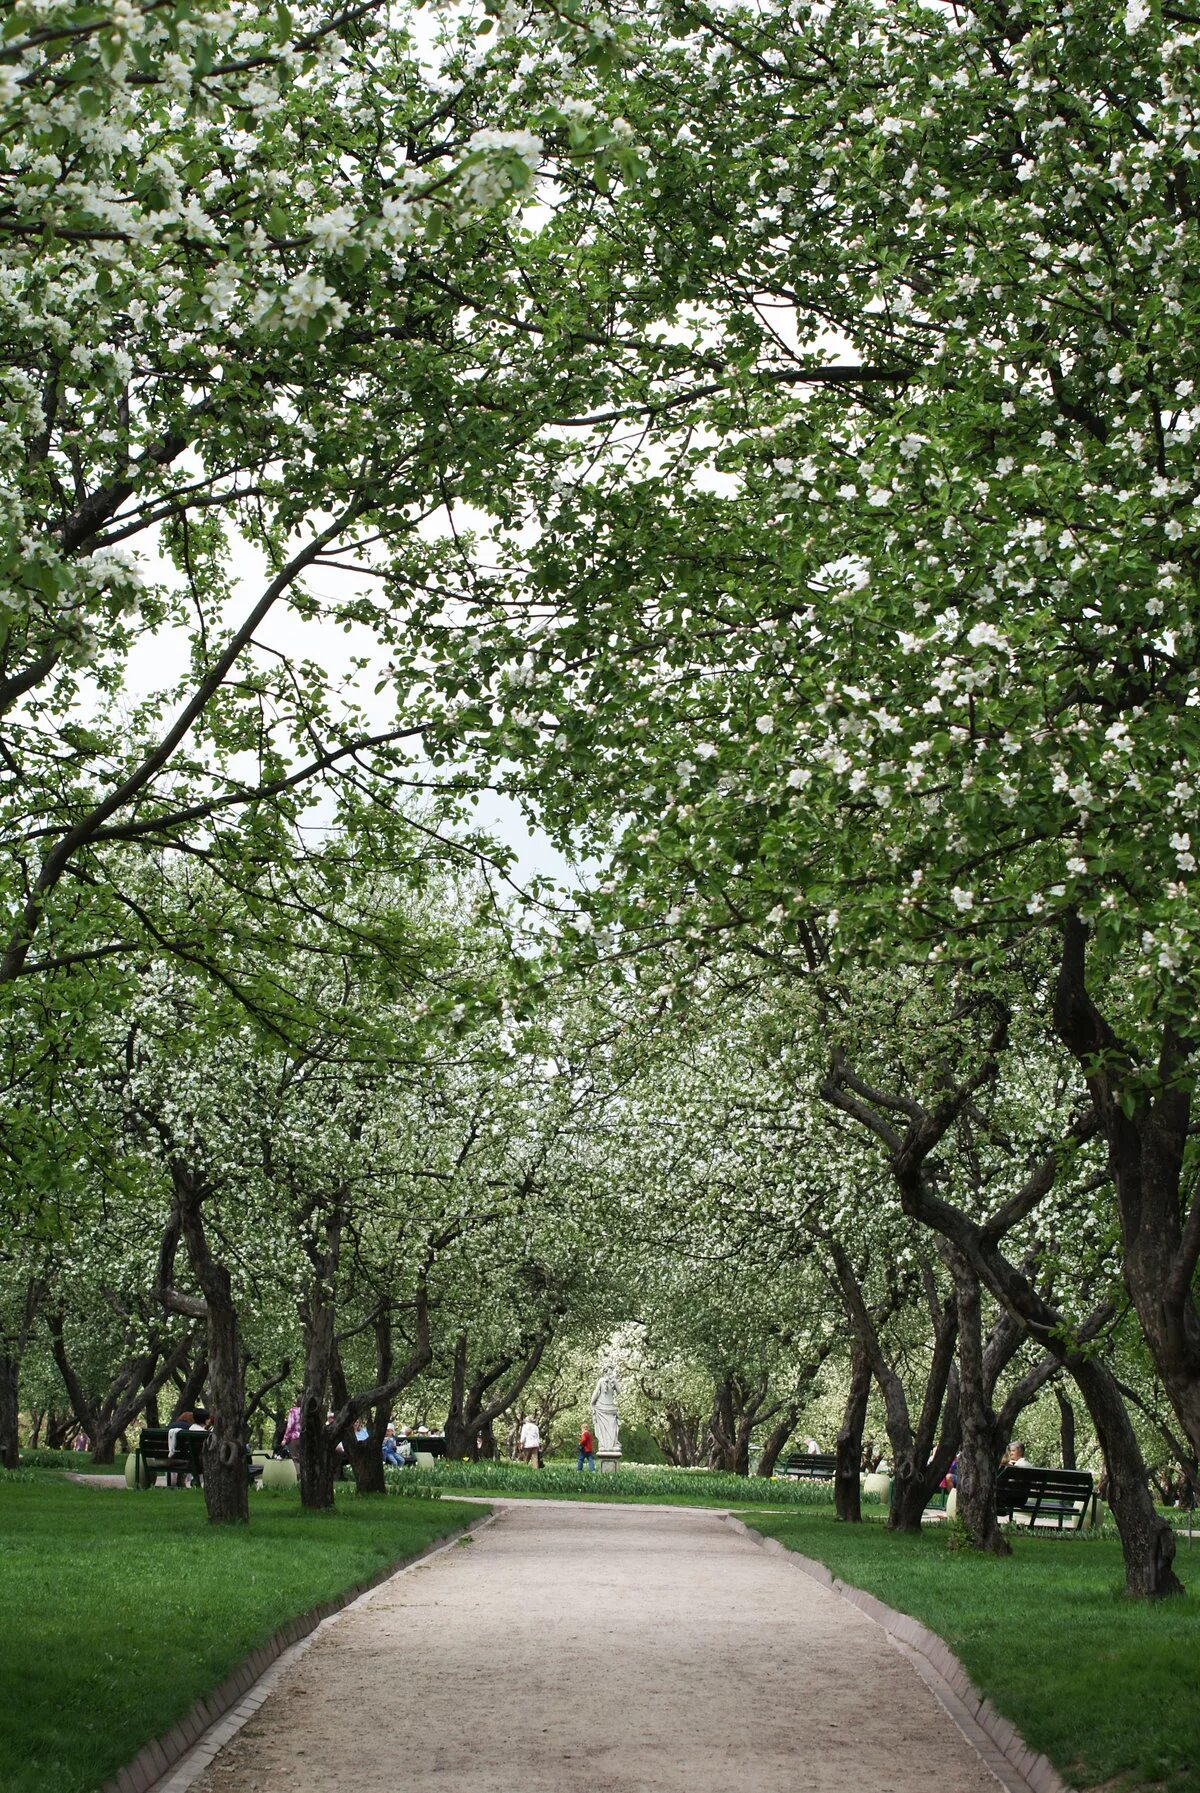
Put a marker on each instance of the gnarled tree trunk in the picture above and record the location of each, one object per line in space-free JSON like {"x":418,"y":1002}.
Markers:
{"x":226,"y":1483}
{"x":917,"y":1466}
{"x":14,"y":1342}
{"x":1147,"y":1132}
{"x":10,"y":1401}
{"x":1148,"y":1543}
{"x":682,"y":1437}
{"x":775,"y":1440}
{"x":318,"y":1454}
{"x":977,"y":1452}
{"x":473,"y":1406}
{"x":735,"y":1413}
{"x":1147,"y":1540}
{"x":847,"y":1487}
{"x":1066,"y":1429}
{"x":366,"y":1455}
{"x":136,"y":1382}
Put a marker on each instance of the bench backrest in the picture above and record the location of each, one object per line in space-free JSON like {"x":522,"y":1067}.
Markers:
{"x":155,"y":1440}
{"x":154,"y":1445}
{"x":1027,"y":1487}
{"x":810,"y":1466}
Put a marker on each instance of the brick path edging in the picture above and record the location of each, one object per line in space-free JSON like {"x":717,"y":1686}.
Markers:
{"x":1032,"y":1768}
{"x":157,"y":1758}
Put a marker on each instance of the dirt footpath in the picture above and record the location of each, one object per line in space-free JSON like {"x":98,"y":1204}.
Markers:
{"x":581,"y":1649}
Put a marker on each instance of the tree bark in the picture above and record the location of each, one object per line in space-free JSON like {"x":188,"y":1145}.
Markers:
{"x":10,"y":1438}
{"x":682,"y":1437}
{"x":1066,"y":1428}
{"x":13,"y":1345}
{"x":317,"y":1456}
{"x":847,"y":1486}
{"x":367,"y":1456}
{"x":226,"y":1483}
{"x":58,"y":1430}
{"x":318,"y":1450}
{"x":1147,"y":1541}
{"x":735,"y":1413}
{"x":458,"y":1442}
{"x":917,"y":1466}
{"x":1147,"y":1136}
{"x":977,"y":1454}
{"x":775,"y":1440}
{"x":192,"y":1387}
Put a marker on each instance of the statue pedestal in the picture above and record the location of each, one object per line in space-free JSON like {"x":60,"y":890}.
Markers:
{"x":608,"y":1460}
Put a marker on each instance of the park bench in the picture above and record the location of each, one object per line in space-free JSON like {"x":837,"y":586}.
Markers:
{"x":154,"y":1458}
{"x":1063,"y":1498}
{"x":804,"y":1466}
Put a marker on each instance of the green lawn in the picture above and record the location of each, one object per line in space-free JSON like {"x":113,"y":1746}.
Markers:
{"x":121,"y":1609}
{"x":1108,"y":1688}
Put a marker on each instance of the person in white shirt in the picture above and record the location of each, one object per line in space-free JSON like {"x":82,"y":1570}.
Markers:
{"x":530,"y":1441}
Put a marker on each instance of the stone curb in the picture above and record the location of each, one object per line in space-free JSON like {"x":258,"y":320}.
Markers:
{"x":1015,"y":1765}
{"x":216,"y":1717}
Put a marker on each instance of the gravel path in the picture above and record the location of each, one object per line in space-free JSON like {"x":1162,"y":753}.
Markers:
{"x":583,"y":1649}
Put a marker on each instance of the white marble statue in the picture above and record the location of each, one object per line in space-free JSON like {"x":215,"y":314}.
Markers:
{"x":604,"y":1411}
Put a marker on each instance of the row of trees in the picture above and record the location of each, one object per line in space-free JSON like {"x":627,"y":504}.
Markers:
{"x":380,"y":1222}
{"x":879,"y":673}
{"x":760,"y":442}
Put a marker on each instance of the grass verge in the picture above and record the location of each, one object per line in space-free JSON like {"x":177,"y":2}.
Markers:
{"x":122,"y":1609}
{"x":645,"y":1482}
{"x":72,"y":1462}
{"x":1105,"y":1686}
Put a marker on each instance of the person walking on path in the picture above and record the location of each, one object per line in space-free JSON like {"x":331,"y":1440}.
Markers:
{"x":587,"y":1448}
{"x":530,"y":1441}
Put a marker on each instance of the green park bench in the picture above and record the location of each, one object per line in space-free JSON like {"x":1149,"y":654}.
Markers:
{"x":1063,"y":1498}
{"x":153,"y":1458}
{"x":803,"y":1466}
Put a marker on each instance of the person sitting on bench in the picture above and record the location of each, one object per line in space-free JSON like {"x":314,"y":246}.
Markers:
{"x":177,"y":1431}
{"x":396,"y":1455}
